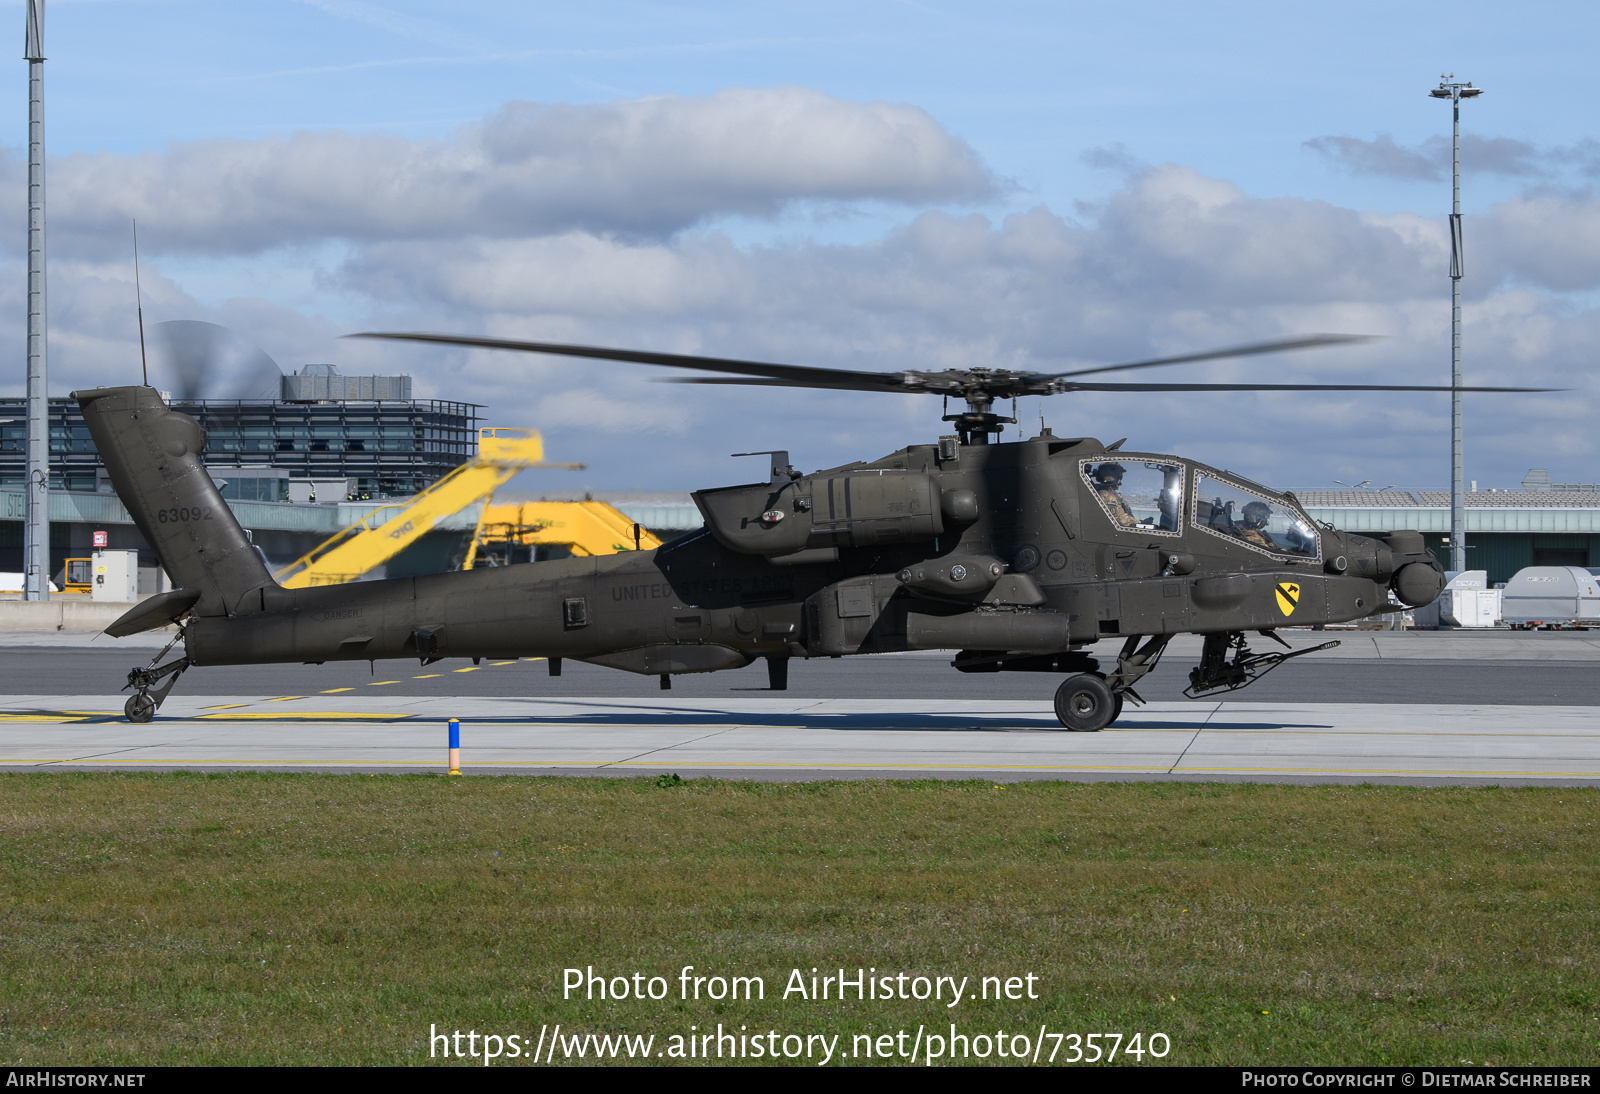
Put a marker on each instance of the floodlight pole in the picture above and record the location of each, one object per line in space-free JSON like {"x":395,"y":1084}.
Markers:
{"x":36,"y":533}
{"x":1455,"y":92}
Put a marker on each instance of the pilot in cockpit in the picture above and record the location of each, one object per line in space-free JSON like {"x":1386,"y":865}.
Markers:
{"x":1252,"y":525}
{"x":1108,"y":485}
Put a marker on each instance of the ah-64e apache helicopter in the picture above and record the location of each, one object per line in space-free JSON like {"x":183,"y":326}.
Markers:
{"x":1019,"y":555}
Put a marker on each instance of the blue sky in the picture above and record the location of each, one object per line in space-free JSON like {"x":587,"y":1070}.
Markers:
{"x":1090,"y":183}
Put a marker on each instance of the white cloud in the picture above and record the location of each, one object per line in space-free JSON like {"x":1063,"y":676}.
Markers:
{"x":647,"y":167}
{"x":1551,"y":239}
{"x":1431,"y":160}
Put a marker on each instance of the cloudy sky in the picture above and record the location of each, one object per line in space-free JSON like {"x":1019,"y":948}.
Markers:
{"x":872,"y":185}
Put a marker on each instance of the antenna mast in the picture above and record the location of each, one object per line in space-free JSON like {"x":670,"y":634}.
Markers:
{"x":138,"y":296}
{"x":36,"y":534}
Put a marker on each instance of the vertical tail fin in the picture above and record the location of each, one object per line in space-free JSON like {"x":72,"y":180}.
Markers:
{"x":153,"y":456}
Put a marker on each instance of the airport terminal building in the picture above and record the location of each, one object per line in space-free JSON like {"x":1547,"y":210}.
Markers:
{"x":364,"y":429}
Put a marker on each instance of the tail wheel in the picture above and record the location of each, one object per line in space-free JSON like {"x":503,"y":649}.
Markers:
{"x":140,"y":708}
{"x":1084,"y":703}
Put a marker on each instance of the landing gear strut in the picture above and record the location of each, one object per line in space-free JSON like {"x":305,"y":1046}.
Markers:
{"x":1088,"y":702}
{"x":152,"y":685}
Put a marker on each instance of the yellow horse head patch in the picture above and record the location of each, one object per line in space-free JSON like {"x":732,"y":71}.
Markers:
{"x":1288,"y":597}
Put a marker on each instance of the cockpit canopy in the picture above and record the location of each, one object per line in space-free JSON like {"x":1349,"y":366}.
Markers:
{"x":1147,"y":493}
{"x":1138,"y":493}
{"x":1270,"y":523}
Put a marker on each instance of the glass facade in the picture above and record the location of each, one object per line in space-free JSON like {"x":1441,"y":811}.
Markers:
{"x":389,"y":449}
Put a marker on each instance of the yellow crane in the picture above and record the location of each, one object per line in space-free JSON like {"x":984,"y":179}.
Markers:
{"x":387,"y":531}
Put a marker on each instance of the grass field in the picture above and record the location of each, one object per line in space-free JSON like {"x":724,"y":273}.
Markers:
{"x":246,"y":918}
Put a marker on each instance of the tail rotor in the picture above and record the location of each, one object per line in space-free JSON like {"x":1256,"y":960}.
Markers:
{"x":206,"y":361}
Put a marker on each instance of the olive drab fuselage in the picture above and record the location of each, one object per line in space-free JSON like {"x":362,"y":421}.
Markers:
{"x":1017,"y":556}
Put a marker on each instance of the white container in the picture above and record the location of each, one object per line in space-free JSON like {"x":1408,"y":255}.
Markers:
{"x":1470,"y":607}
{"x":1467,"y":601}
{"x":116,"y":576}
{"x":1553,"y":595}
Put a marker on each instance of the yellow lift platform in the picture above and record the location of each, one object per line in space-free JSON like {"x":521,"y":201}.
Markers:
{"x":585,"y":527}
{"x":385,"y":532}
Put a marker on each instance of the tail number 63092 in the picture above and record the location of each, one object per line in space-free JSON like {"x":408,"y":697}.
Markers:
{"x":182,"y":514}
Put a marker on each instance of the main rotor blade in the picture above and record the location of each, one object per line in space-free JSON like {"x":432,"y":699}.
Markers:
{"x":765,"y":374}
{"x":865,"y":381}
{"x":1291,"y":387}
{"x":1253,"y":349}
{"x":844,"y":384}
{"x":1091,"y":386}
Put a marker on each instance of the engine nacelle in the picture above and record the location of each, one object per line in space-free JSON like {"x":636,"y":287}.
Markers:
{"x":845,"y":509}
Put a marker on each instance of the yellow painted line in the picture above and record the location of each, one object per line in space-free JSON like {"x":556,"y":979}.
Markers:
{"x":233,"y":763}
{"x":469,"y":668}
{"x":489,"y":721}
{"x":299,"y":715}
{"x":57,"y":717}
{"x":502,"y":662}
{"x":380,"y":683}
{"x":334,"y":691}
{"x":428,"y":676}
{"x":283,"y":699}
{"x":226,"y":706}
{"x":534,"y":658}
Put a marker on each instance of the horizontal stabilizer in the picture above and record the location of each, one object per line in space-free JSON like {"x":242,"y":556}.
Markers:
{"x":158,"y":611}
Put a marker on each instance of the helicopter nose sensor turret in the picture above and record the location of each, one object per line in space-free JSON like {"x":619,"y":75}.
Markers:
{"x":1418,"y":577}
{"x":1417,"y":584}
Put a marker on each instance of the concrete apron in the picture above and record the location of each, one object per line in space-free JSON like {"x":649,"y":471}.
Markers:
{"x":789,"y":739}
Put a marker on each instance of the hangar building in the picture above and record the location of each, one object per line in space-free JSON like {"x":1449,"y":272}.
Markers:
{"x":1543,"y":524}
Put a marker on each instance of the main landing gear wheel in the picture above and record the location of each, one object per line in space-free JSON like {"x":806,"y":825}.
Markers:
{"x":1084,"y":703}
{"x":140,"y":708}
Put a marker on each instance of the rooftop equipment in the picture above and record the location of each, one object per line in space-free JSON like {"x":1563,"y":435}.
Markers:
{"x":323,"y":383}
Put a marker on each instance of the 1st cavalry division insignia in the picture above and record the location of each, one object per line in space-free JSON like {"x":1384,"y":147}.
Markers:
{"x":1288,"y":596}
